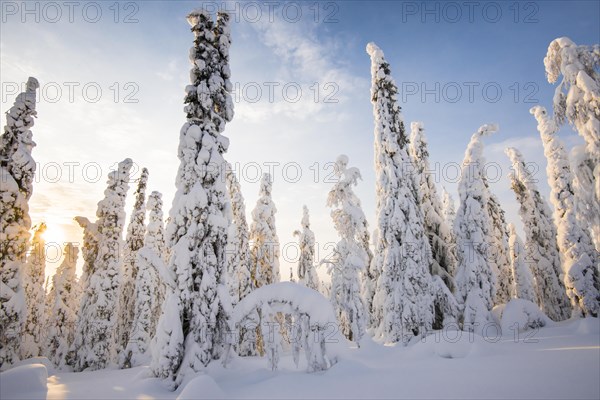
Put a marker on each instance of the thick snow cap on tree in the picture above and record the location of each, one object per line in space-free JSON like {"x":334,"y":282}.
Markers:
{"x":17,"y":169}
{"x":475,"y":277}
{"x":403,"y":300}
{"x":541,"y":249}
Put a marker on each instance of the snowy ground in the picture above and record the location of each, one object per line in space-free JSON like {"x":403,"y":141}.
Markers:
{"x":562,"y":361}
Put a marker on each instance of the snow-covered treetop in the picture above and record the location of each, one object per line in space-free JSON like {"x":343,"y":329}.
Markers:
{"x":383,"y":92}
{"x":266,"y":186}
{"x":305,"y":222}
{"x":566,"y":58}
{"x":16,"y":142}
{"x":546,"y":126}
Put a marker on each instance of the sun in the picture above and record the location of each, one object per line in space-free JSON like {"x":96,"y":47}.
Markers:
{"x":54,"y":234}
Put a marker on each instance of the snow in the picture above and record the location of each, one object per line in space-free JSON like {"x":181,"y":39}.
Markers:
{"x":522,"y":315}
{"x":32,"y":377}
{"x":559,"y":361}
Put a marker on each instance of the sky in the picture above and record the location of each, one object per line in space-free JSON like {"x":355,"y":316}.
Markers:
{"x":112,"y":76}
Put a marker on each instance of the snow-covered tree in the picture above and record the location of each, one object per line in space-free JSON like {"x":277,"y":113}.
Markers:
{"x":307,"y":275}
{"x":584,"y":184}
{"x":63,"y":302}
{"x":35,"y":297}
{"x":499,"y":254}
{"x":475,"y":277}
{"x":149,"y":293}
{"x":17,"y":169}
{"x":350,"y":259}
{"x":541,"y":249}
{"x":193,"y":324}
{"x":524,"y":283}
{"x":403,"y":301}
{"x":438,"y":232}
{"x":264,"y":249}
{"x":448,"y":207}
{"x":134,"y":241}
{"x":579,"y":257}
{"x":238,"y":249}
{"x":95,"y":339}
{"x":577,"y":99}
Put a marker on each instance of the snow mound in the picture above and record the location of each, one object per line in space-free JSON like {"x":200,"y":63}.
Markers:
{"x":201,"y":387}
{"x":38,"y":360}
{"x":587,"y":326}
{"x":523,"y":315}
{"x":24,"y":382}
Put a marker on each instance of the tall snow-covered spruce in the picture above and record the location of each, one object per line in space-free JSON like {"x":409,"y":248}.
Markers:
{"x":438,"y":232}
{"x":499,"y":254}
{"x":580,"y":258}
{"x":95,"y":339}
{"x":17,"y":169}
{"x":350,"y":259}
{"x":63,"y":301}
{"x":149,"y":292}
{"x":35,"y":297}
{"x":264,"y":248}
{"x":522,"y":276}
{"x":475,"y":277}
{"x":403,"y":304}
{"x":238,"y":248}
{"x":134,"y":241}
{"x":307,"y":275}
{"x":194,"y":321}
{"x":577,"y":96}
{"x":541,"y":249}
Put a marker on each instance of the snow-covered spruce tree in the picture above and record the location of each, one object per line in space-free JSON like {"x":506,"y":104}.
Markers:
{"x":579,"y":257}
{"x":63,"y":305}
{"x":499,"y":253}
{"x":95,"y":341}
{"x":403,"y":301}
{"x":307,"y":275}
{"x":524,"y":283}
{"x":577,"y":96}
{"x":264,"y":249}
{"x":438,"y":232}
{"x":134,"y":240}
{"x":475,"y":278}
{"x":448,"y":208}
{"x":35,"y":297}
{"x":194,"y":322}
{"x":541,"y":249}
{"x":586,"y":201}
{"x":350,"y":259}
{"x":149,"y":294}
{"x":17,"y":169}
{"x":238,"y":249}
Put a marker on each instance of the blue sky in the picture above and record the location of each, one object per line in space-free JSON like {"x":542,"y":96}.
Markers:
{"x":317,"y":47}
